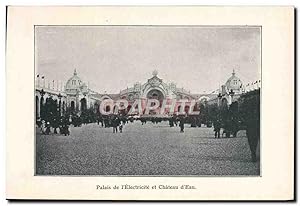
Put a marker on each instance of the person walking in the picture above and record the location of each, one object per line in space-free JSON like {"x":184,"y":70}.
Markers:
{"x":48,"y":128}
{"x":181,"y":124}
{"x":217,"y":128}
{"x":115,"y":124}
{"x":121,"y":128}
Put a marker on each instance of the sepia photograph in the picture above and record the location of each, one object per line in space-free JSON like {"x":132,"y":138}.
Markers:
{"x":147,"y":100}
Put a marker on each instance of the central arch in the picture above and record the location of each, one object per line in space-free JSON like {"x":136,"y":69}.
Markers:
{"x":155,"y":94}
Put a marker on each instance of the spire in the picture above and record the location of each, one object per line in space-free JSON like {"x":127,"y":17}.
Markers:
{"x":75,"y":72}
{"x":233,"y":72}
{"x":155,"y":73}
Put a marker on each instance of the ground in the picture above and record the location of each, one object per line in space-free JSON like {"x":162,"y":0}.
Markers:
{"x":151,"y":149}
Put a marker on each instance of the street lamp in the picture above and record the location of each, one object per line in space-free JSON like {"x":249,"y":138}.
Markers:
{"x":38,"y":80}
{"x":219,"y":106}
{"x":219,"y":98}
{"x":219,"y":95}
{"x":42,"y":92}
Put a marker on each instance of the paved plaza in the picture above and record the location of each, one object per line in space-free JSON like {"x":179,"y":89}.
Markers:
{"x":151,"y":149}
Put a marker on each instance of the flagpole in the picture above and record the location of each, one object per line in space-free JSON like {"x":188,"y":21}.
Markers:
{"x":38,"y":80}
{"x":43,"y":78}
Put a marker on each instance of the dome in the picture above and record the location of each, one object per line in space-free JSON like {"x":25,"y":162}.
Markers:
{"x":234,"y":83}
{"x":74,"y":82}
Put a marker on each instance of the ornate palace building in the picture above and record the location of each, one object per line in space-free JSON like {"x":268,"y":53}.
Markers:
{"x":229,"y":92}
{"x":77,"y":96}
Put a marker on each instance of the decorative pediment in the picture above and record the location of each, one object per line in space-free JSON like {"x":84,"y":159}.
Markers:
{"x":155,"y":81}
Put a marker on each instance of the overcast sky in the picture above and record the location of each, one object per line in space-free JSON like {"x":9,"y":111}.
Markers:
{"x":112,"y":58}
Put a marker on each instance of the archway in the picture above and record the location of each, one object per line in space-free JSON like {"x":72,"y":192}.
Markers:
{"x":155,"y":94}
{"x":203,"y":99}
{"x":104,"y":97}
{"x":96,"y":107}
{"x":107,"y":108}
{"x":224,"y":102}
{"x":72,"y":106}
{"x":224,"y":109}
{"x":178,"y":108}
{"x":186,"y":97}
{"x":186,"y":109}
{"x":83,"y":104}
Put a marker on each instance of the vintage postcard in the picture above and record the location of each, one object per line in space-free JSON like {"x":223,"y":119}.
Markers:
{"x":194,"y":103}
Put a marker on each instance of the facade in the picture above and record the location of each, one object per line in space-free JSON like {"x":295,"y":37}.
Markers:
{"x":229,"y":92}
{"x":77,"y":96}
{"x":155,"y":87}
{"x":42,"y":94}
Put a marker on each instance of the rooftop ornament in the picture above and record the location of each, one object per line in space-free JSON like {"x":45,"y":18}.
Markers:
{"x":155,"y":73}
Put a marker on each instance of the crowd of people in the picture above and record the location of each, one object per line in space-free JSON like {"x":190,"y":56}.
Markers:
{"x":56,"y":126}
{"x":229,"y":120}
{"x":117,"y":122}
{"x":61,"y":124}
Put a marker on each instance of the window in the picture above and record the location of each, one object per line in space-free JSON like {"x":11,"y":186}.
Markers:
{"x":235,"y":82}
{"x":73,"y":82}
